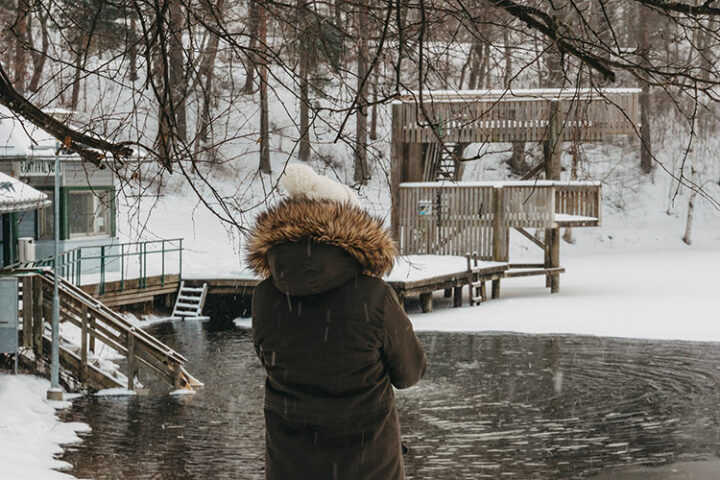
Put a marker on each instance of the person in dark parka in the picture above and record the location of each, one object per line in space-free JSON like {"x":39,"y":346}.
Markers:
{"x":331,"y":334}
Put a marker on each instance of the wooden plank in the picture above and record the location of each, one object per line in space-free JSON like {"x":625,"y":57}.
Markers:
{"x":131,"y":362}
{"x":84,"y":346}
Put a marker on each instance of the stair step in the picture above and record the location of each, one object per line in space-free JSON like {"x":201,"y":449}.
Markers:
{"x":182,"y":298}
{"x":192,"y":289}
{"x":477,"y":299}
{"x":186,"y":305}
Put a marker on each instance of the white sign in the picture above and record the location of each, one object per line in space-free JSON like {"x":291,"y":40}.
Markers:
{"x":37,"y":168}
{"x":424,"y":207}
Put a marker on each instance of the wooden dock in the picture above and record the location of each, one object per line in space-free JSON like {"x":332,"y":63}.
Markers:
{"x":136,"y":291}
{"x":450,"y":274}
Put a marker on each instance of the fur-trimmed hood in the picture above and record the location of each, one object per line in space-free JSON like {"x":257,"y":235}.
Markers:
{"x":297,"y":220}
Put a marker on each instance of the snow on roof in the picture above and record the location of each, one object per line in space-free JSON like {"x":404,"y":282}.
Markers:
{"x":526,"y":94}
{"x":16,"y":196}
{"x":21,"y":139}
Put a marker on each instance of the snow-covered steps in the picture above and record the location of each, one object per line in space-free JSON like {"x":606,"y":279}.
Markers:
{"x":190,"y":302}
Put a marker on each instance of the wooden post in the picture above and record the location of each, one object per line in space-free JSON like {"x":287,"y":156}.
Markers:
{"x":457,"y":296}
{"x":27,"y":312}
{"x":91,"y":325}
{"x":426,"y":302}
{"x":38,"y":311}
{"x":495,"y":289}
{"x":131,"y":362}
{"x":396,"y":170}
{"x":498,"y":237}
{"x":554,"y":259}
{"x":448,"y":292}
{"x":84,"y":344}
{"x":177,"y":381}
{"x":483,"y":291}
{"x":553,"y":154}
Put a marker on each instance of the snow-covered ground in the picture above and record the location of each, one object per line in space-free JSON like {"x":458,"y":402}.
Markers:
{"x":30,"y":433}
{"x":663,"y":294}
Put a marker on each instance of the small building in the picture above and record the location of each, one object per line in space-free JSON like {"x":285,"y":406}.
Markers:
{"x":88,"y":209}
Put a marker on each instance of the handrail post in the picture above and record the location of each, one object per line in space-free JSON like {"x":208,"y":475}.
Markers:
{"x":131,"y":361}
{"x":144,"y":279}
{"x":162,"y":272}
{"x":180,"y":261}
{"x":102,"y":270}
{"x":79,"y":268}
{"x":84,"y":344}
{"x":122,"y":267}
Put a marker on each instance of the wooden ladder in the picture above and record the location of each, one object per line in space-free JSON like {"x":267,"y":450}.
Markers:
{"x":190,"y":302}
{"x":478,"y":293}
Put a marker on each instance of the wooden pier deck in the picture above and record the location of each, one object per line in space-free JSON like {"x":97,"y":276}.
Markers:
{"x":413,"y":275}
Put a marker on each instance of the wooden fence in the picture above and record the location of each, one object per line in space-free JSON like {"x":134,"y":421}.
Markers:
{"x":456,"y":218}
{"x":517,"y":115}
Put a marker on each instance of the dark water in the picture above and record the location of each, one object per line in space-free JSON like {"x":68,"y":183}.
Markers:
{"x":490,"y":406}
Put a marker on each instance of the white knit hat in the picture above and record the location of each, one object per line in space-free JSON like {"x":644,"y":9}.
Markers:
{"x":301,"y":180}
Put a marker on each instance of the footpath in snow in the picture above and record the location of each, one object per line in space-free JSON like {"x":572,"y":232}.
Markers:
{"x":30,"y":432}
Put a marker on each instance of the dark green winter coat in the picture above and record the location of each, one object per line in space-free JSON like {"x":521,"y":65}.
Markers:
{"x":333,"y":339}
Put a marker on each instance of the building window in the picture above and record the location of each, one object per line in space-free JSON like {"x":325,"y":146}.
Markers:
{"x":89,"y":212}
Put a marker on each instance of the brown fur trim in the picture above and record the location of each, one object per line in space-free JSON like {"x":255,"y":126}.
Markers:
{"x":297,"y":219}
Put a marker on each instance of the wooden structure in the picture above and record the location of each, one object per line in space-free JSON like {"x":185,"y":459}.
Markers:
{"x":434,"y":214}
{"x":98,"y":324}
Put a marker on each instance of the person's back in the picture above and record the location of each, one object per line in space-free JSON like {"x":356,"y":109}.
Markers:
{"x":333,"y":339}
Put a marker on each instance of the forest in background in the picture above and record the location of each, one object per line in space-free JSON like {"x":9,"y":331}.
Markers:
{"x":203,"y":88}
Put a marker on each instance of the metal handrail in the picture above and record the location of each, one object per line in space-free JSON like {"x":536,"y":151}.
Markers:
{"x":71,"y":261}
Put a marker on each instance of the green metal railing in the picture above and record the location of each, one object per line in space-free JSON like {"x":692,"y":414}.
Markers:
{"x":100,"y":259}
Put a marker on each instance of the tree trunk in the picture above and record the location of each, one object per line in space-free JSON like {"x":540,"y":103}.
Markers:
{"x":132,"y":51}
{"x":518,"y":165}
{"x":264,"y":165}
{"x":176,"y":60}
{"x":304,"y":147}
{"x":207,"y":70}
{"x":644,"y":99}
{"x":691,"y":211}
{"x":253,"y":12}
{"x":76,"y":78}
{"x":19,"y":30}
{"x":374,"y":114}
{"x":361,"y":173}
{"x":38,"y":58}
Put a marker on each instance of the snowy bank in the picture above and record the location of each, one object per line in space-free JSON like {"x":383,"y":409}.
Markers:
{"x":664,"y":294}
{"x":30,"y":432}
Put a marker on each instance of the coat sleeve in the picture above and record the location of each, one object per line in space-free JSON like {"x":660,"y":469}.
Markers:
{"x":256,"y":331}
{"x":402,"y":352}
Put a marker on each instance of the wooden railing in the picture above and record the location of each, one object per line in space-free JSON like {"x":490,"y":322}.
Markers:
{"x":516,"y":115}
{"x":98,"y":324}
{"x":444,"y":218}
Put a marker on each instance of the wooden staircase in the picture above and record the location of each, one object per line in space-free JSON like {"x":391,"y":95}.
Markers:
{"x":190,"y":302}
{"x":98,"y":324}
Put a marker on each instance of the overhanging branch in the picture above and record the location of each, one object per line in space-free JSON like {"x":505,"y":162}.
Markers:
{"x":89,"y":148}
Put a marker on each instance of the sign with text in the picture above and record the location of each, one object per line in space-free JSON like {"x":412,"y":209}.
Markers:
{"x":37,"y":168}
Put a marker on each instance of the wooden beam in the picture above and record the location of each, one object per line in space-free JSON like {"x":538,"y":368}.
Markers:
{"x":531,"y":237}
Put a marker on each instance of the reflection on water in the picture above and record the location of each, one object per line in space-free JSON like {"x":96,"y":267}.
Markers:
{"x":490,"y":406}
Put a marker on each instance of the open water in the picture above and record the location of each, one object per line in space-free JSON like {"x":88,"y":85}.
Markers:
{"x":490,"y":406}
